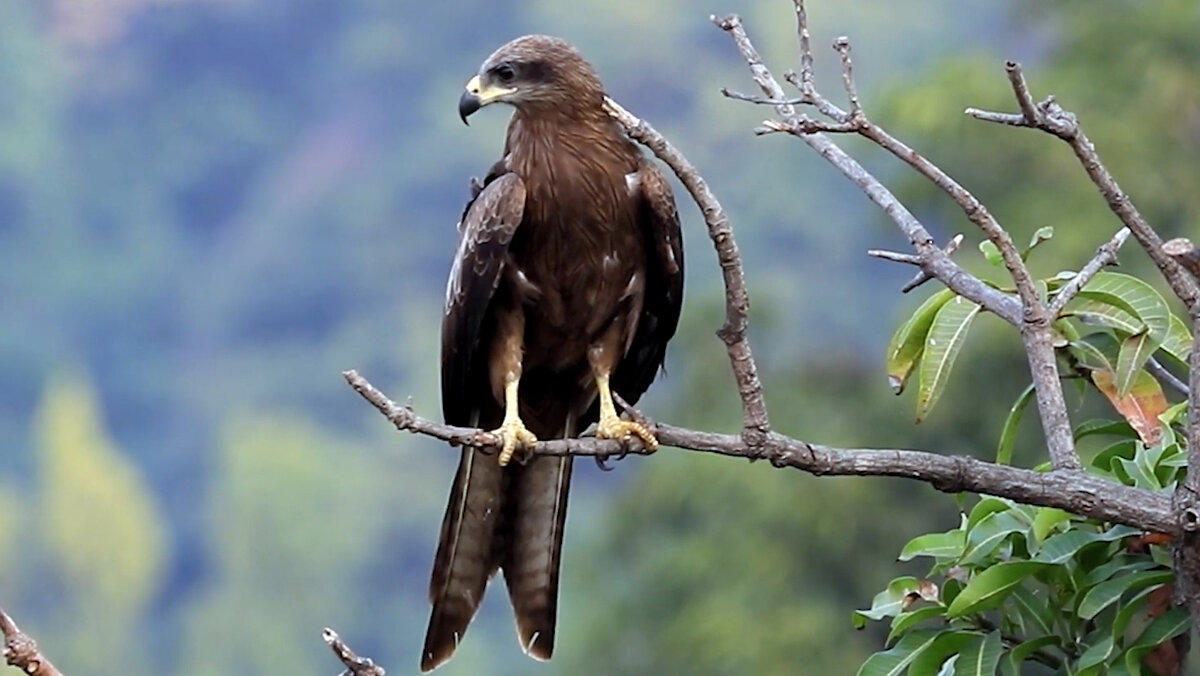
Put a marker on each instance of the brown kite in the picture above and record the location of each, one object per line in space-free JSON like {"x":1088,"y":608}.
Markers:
{"x":565,"y":289}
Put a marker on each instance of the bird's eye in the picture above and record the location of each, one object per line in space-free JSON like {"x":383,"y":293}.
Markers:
{"x":505,"y":73}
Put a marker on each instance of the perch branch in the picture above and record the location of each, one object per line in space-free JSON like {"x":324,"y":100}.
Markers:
{"x":755,"y":424}
{"x":21,"y":651}
{"x":1075,"y":492}
{"x":355,"y":665}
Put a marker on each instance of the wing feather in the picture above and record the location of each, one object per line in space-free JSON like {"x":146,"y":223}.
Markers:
{"x":659,"y":223}
{"x":486,"y":230}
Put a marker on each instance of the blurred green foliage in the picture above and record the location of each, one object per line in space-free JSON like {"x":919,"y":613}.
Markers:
{"x":209,"y":209}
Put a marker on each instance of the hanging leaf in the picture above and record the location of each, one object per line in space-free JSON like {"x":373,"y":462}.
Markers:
{"x":1133,"y":296}
{"x":947,"y":545}
{"x":1092,"y":311}
{"x":1106,"y":593}
{"x":895,"y":661}
{"x":908,"y":342}
{"x":1135,"y":350}
{"x":1178,"y":341}
{"x":948,"y":644}
{"x":1141,"y":406}
{"x":1008,"y":435}
{"x":942,"y":345}
{"x":989,"y":588}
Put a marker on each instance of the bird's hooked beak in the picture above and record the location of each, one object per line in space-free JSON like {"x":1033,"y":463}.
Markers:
{"x":477,"y":96}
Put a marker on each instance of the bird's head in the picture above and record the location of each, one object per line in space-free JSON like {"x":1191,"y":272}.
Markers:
{"x":534,"y":72}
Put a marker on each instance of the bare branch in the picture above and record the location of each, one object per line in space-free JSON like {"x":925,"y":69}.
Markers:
{"x":842,"y":46}
{"x":1183,"y":252}
{"x":936,"y":262}
{"x":895,"y":256}
{"x":1050,"y":117}
{"x":1076,"y":492}
{"x":1032,"y":318}
{"x":21,"y":651}
{"x":1029,"y":112}
{"x":355,"y":665}
{"x":755,"y":423}
{"x":1105,"y":255}
{"x":1165,"y":377}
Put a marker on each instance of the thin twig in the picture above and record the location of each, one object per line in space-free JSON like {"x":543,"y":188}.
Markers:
{"x":936,"y":262}
{"x":1076,"y":492}
{"x":1160,"y":373}
{"x":21,"y":651}
{"x":924,"y":276}
{"x":1049,"y":116}
{"x":1032,"y":319}
{"x":755,"y":423}
{"x":1105,"y":255}
{"x":355,"y":665}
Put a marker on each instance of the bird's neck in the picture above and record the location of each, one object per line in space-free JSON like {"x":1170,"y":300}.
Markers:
{"x":570,"y":136}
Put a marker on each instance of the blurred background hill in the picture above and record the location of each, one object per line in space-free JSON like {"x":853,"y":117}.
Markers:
{"x":210,"y":208}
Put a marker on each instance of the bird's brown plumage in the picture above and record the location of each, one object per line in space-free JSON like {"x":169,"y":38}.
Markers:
{"x":570,"y":266}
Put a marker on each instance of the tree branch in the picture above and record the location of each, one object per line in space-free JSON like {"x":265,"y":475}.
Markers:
{"x":355,"y":665}
{"x":755,"y":424}
{"x":1030,"y":315}
{"x":935,"y":260}
{"x":1105,"y":255}
{"x":21,"y":651}
{"x":1050,"y":117}
{"x":1076,"y":492}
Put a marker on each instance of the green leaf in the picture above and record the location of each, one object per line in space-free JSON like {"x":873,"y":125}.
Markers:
{"x":1060,"y":548}
{"x":1106,"y":593}
{"x":990,"y":253}
{"x":1135,"y":350}
{"x":907,"y":620}
{"x":1096,"y":310}
{"x":948,"y":545}
{"x":981,"y":656}
{"x":1102,"y":426}
{"x":1128,"y":609}
{"x":1022,"y":651}
{"x":986,"y":536}
{"x":942,"y":345}
{"x":895,"y":661}
{"x":1096,"y":351}
{"x":908,"y":342}
{"x":1106,"y":459}
{"x":1141,"y":475}
{"x":990,"y":587}
{"x":986,"y":506}
{"x":1008,"y":435}
{"x":1134,"y":296}
{"x":1178,"y":341}
{"x":1040,"y":235}
{"x":1046,"y":520}
{"x":1036,"y":610}
{"x":888,"y":602}
{"x":1097,"y":653}
{"x":1164,"y":628}
{"x":945,"y":646}
{"x":1119,"y":565}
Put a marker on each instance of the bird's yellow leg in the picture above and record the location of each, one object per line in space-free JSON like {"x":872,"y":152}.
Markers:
{"x":512,"y":431}
{"x":611,"y":426}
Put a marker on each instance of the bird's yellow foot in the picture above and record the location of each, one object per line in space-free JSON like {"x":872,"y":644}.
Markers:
{"x":513,"y":436}
{"x":616,"y":428}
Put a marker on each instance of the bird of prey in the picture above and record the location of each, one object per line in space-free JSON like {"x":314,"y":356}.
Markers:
{"x":565,"y":289}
